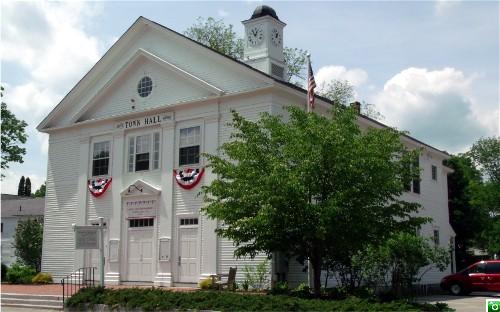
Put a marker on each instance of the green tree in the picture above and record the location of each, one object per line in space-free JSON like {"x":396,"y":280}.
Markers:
{"x":399,"y":261}
{"x":28,"y":242}
{"x":486,"y":154}
{"x":21,"y":187}
{"x":216,"y":35}
{"x":309,"y":187}
{"x":222,"y":38}
{"x":41,"y":191}
{"x":27,"y":187}
{"x":486,"y":195}
{"x":340,"y":92}
{"x":13,"y":136}
{"x":466,"y":219}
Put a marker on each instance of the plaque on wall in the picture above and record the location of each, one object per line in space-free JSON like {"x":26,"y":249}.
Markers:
{"x":141,"y":208}
{"x":86,"y":237}
{"x":164,"y":252}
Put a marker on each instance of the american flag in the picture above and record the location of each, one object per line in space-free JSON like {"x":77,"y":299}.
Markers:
{"x":311,"y":85}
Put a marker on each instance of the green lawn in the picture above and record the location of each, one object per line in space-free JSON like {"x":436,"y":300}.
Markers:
{"x":156,"y":299}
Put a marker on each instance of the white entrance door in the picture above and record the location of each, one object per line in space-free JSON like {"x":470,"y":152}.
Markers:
{"x":188,"y":255}
{"x":140,"y":254}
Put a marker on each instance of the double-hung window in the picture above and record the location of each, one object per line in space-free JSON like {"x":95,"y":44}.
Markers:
{"x":189,"y":146}
{"x":100,"y":159}
{"x":434,"y":172}
{"x":144,"y":152}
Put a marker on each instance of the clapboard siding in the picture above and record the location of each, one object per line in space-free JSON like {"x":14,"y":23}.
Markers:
{"x":168,"y":88}
{"x":250,"y":111}
{"x":101,"y":206}
{"x":60,"y":206}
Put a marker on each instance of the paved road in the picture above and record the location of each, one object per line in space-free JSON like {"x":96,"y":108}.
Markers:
{"x":476,"y":301}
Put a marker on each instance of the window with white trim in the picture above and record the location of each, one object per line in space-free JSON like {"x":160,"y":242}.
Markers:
{"x":144,"y":152}
{"x":436,"y":237}
{"x":188,"y":221}
{"x":100,"y":158}
{"x":189,"y":146}
{"x":434,"y":172}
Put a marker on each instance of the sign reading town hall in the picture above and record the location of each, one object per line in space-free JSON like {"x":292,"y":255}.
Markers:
{"x":146,"y":121}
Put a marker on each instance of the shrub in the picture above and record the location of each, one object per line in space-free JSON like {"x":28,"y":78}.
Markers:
{"x":20,"y":274}
{"x":301,"y":291}
{"x":206,"y":283}
{"x":4,"y":271}
{"x":154,"y":299}
{"x":280,"y":288}
{"x":42,"y":278}
{"x":258,"y":276}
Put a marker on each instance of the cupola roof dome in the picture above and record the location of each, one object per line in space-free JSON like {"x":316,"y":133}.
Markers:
{"x":264,"y":10}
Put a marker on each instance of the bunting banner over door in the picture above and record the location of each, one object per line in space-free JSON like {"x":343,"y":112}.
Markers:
{"x":188,"y":178}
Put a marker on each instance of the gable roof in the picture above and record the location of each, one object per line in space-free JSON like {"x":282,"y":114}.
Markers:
{"x":145,"y":21}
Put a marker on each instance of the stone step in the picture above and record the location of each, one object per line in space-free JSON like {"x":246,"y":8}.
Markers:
{"x":33,"y":302}
{"x":31,"y":296}
{"x":32,"y":307}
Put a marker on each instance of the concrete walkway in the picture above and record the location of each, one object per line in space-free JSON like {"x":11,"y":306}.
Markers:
{"x":476,"y":301}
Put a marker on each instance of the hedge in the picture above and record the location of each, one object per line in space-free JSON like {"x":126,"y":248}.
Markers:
{"x":154,"y":299}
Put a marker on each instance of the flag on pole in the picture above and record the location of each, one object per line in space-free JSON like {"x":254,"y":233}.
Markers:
{"x":311,"y":85}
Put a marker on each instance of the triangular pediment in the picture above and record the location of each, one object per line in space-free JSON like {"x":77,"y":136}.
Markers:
{"x":170,"y":85}
{"x":184,"y":72}
{"x":140,"y":188}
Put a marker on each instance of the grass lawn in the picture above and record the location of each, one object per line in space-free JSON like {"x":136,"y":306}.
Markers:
{"x":156,"y":299}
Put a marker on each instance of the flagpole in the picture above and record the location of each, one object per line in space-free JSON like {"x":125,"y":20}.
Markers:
{"x":308,"y":105}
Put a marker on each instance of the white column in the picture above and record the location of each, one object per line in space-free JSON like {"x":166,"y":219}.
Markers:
{"x":165,"y":206}
{"x":112,"y":276}
{"x":208,"y":226}
{"x":81,"y":212}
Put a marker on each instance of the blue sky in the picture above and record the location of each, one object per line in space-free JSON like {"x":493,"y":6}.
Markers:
{"x":430,"y":67}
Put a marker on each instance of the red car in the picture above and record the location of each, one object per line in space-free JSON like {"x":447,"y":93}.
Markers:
{"x":481,"y":276}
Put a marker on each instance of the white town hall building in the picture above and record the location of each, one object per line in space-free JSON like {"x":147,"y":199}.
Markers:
{"x":125,"y":145}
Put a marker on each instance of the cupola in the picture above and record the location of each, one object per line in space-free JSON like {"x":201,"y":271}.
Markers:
{"x":263,"y":47}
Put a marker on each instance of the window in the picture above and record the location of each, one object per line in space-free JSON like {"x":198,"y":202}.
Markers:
{"x":142,"y":154}
{"x":480,"y":268}
{"x":436,"y":237}
{"x":100,"y":159}
{"x":145,"y":86}
{"x":189,"y":146}
{"x":189,"y":221}
{"x":434,"y":172}
{"x":416,"y":182}
{"x":147,"y":222}
{"x":493,"y":267}
{"x":2,"y":227}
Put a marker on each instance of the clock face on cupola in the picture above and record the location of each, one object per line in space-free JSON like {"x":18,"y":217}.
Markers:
{"x":255,"y":35}
{"x":276,"y":37}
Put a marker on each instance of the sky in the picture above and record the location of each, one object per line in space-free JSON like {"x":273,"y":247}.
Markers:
{"x":429,"y":67}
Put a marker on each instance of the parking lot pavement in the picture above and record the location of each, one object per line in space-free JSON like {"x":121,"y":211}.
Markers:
{"x":476,"y":301}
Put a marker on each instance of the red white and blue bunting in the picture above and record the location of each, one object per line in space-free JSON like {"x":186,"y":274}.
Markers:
{"x":188,"y":178}
{"x":97,"y":187}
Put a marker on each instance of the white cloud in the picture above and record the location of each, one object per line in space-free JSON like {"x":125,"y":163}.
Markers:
{"x":435,"y":106}
{"x":355,"y":76}
{"x":49,"y":42}
{"x":222,"y":13}
{"x":10,"y":182}
{"x":443,"y":6}
{"x":48,"y":49}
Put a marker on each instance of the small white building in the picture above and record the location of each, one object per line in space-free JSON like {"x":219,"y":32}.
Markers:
{"x":14,"y":209}
{"x":146,"y":111}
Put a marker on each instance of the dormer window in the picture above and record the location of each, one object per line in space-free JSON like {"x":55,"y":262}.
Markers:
{"x":145,"y":86}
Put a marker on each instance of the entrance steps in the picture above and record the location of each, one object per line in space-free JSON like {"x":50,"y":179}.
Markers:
{"x":32,"y":301}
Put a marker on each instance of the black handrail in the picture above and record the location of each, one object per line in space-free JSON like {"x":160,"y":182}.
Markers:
{"x":81,"y":278}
